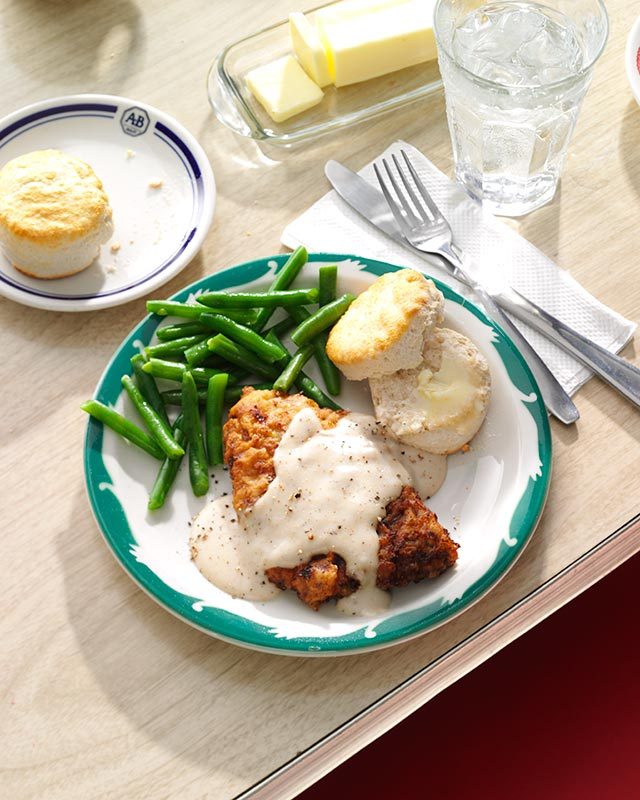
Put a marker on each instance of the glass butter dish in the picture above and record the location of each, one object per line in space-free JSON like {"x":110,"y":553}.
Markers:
{"x":235,"y":106}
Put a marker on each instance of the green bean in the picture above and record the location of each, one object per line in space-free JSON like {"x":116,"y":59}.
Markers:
{"x":272,"y":337}
{"x":287,"y":377}
{"x":213,"y":418}
{"x":283,"y":280}
{"x":172,"y":371}
{"x":148,"y":387}
{"x":282,"y":327}
{"x":309,"y":387}
{"x":323,"y":318}
{"x":156,"y":426}
{"x":173,"y":397}
{"x":171,"y":308}
{"x":174,"y":346}
{"x":198,"y":473}
{"x":168,"y":471}
{"x":236,"y":354}
{"x":244,"y":336}
{"x":193,"y":311}
{"x":313,"y":391}
{"x":247,"y":316}
{"x":327,"y":282}
{"x":179,"y":330}
{"x":222,"y":365}
{"x":199,"y":352}
{"x":289,"y":297}
{"x":330,"y":373}
{"x":112,"y":419}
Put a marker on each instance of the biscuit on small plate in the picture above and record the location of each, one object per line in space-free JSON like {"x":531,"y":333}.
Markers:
{"x":54,"y":214}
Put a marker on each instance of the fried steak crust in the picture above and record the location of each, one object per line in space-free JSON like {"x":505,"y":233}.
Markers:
{"x":413,"y":544}
{"x":322,"y":578}
{"x":253,"y":430}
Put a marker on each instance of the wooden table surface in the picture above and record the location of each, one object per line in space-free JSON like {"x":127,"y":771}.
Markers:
{"x":105,"y":694}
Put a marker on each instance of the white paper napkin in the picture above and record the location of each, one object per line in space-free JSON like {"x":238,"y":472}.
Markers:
{"x":494,"y":254}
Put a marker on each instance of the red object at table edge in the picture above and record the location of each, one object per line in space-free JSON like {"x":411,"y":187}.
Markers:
{"x":554,"y":715}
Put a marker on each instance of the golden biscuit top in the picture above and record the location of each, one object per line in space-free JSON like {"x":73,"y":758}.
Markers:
{"x":49,"y":197}
{"x":382,"y":314}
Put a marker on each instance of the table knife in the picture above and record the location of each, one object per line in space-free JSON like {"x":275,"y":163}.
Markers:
{"x":371,"y":205}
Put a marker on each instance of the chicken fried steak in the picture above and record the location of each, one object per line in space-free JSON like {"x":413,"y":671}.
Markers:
{"x":321,"y":578}
{"x":252,"y":432}
{"x":413,"y":544}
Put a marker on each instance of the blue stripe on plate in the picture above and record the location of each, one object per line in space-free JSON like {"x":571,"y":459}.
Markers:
{"x":48,"y":112}
{"x":195,"y":184}
{"x":11,"y":282}
{"x":178,"y":141}
{"x":4,"y":142}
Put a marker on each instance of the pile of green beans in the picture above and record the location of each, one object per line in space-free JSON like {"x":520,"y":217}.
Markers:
{"x":219,"y":341}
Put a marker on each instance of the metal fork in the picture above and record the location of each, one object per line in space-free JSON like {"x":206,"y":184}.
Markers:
{"x":423,"y":225}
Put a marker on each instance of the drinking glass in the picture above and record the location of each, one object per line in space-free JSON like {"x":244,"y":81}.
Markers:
{"x":515,"y":74}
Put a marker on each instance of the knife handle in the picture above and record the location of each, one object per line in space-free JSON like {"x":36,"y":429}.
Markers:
{"x":616,"y":371}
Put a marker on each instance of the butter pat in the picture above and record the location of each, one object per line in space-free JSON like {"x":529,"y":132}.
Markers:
{"x":283,"y":88}
{"x":308,"y":48}
{"x":450,"y":391}
{"x":363,"y":45}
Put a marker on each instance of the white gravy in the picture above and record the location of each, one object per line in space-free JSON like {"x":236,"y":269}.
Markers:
{"x":330,"y":490}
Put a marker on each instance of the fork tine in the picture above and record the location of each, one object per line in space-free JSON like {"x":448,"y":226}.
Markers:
{"x":410,"y":216}
{"x":416,"y":202}
{"x":395,"y":210}
{"x":437,"y":214}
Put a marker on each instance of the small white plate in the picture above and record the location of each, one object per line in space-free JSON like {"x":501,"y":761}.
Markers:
{"x":632,"y":59}
{"x":130,"y":145}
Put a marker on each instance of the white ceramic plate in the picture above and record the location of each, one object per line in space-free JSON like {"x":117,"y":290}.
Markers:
{"x":129,"y":145}
{"x":490,"y":501}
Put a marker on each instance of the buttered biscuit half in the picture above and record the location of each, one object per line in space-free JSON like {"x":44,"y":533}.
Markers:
{"x":439,"y":405}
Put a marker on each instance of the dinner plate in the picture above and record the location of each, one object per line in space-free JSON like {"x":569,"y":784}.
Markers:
{"x":490,"y":501}
{"x":159,"y":183}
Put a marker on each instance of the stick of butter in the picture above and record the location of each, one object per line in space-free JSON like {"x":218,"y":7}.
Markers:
{"x":348,"y":9}
{"x":364,"y":45}
{"x":309,"y":50}
{"x":283,"y":88}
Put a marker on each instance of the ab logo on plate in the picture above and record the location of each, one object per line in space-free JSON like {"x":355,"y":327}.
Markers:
{"x":134,"y":121}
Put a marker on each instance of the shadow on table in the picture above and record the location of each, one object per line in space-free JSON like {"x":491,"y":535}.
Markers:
{"x":90,"y":41}
{"x":203,"y":699}
{"x":199,"y":697}
{"x":621,"y":411}
{"x":288,"y":167}
{"x":542,"y":227}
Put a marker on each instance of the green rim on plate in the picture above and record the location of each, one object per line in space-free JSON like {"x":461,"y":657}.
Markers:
{"x":113,"y":523}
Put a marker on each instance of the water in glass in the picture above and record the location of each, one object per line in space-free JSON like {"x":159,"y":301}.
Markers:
{"x":514,"y":81}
